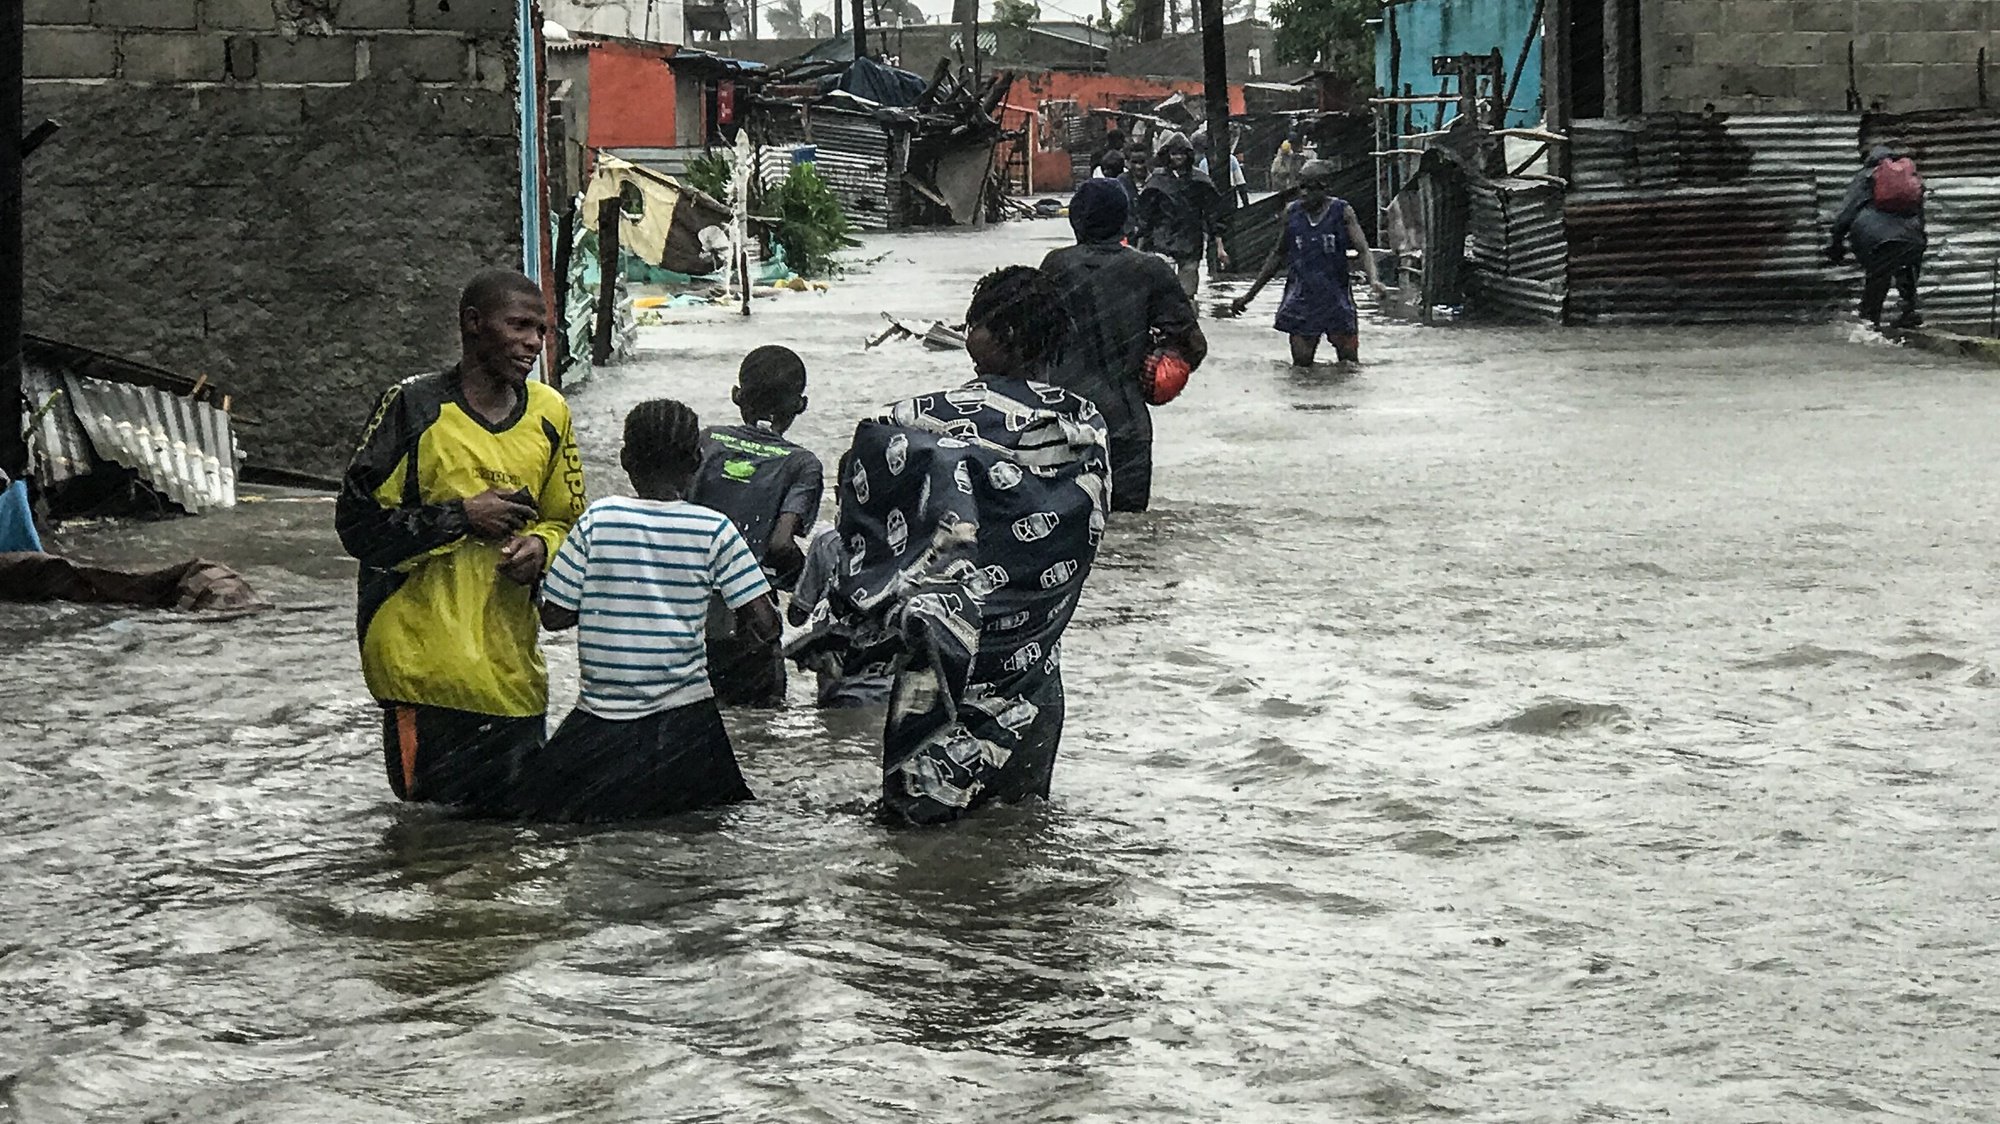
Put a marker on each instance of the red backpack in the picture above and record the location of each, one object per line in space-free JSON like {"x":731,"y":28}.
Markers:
{"x":1899,"y":190}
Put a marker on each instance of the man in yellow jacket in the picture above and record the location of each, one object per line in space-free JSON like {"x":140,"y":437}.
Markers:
{"x":465,"y":482}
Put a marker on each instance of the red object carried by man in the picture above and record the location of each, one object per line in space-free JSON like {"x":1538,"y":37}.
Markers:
{"x":1899,"y":190}
{"x":1166,"y":375}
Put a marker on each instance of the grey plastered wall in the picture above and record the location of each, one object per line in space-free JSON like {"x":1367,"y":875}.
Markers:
{"x":1789,"y":55}
{"x":283,"y":195}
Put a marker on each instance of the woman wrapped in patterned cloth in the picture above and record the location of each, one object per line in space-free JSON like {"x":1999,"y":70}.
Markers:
{"x":970,"y":519}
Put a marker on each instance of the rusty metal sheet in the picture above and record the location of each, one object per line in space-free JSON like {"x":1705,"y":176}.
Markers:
{"x":1690,"y":217}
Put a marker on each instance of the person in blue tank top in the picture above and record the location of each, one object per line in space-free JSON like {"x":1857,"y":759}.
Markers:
{"x":1319,"y":229}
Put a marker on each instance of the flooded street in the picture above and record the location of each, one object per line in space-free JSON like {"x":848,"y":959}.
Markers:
{"x":1562,"y":725}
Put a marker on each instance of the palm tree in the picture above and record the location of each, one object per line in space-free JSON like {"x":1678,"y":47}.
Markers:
{"x":785,"y":19}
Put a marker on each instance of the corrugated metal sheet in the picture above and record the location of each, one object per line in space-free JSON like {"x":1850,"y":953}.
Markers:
{"x":859,"y":159}
{"x":1684,"y":217}
{"x":181,"y":447}
{"x":1946,"y":143}
{"x":1962,"y":222}
{"x":63,"y":451}
{"x":1519,"y":251}
{"x":177,"y":445}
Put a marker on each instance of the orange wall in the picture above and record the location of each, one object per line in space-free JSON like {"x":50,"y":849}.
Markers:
{"x":631,"y":97}
{"x":1090,"y":91}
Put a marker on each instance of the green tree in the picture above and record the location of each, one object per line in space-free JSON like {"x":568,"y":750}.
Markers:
{"x":1328,"y":34}
{"x":811,"y":227}
{"x":1016,"y":13}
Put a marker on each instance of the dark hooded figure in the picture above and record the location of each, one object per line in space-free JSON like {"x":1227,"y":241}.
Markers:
{"x":1180,"y":212}
{"x":1124,"y":305}
{"x":1889,"y":246}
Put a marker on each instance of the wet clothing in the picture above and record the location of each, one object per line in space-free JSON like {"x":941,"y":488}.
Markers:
{"x":639,"y":574}
{"x":867,"y":685}
{"x":446,"y":756}
{"x":1131,"y":223}
{"x":971,"y":518}
{"x":754,"y":475}
{"x":597,"y":770}
{"x":645,"y":738}
{"x":1319,"y":297}
{"x":1178,"y":215}
{"x":1123,"y":304}
{"x":441,"y":630}
{"x":1889,"y":247}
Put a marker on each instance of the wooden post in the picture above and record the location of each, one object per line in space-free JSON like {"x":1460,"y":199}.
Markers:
{"x":610,"y":215}
{"x":13,"y":447}
{"x":860,"y":30}
{"x":1215,"y":88}
{"x":565,"y":250}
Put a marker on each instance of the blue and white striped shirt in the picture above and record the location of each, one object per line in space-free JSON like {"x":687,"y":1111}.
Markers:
{"x":639,"y":574}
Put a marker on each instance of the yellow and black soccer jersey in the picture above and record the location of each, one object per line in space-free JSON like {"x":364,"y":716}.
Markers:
{"x":439,"y":625}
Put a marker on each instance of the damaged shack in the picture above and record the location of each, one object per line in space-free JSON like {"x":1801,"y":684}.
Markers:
{"x":896,"y":149}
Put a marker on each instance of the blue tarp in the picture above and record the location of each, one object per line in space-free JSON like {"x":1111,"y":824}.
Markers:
{"x":883,"y":85}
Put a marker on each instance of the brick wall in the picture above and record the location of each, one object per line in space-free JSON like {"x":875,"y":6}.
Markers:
{"x":1782,"y":55}
{"x":284,"y":195}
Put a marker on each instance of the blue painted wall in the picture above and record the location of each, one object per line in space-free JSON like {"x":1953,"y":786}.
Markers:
{"x":1448,"y":27}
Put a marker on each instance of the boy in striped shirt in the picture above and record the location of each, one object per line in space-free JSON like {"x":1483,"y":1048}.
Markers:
{"x":635,"y":577}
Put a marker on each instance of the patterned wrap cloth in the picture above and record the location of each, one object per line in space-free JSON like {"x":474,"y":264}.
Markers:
{"x":970,"y":518}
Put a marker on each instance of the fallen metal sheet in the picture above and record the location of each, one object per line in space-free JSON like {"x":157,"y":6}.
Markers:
{"x":167,"y":428}
{"x":179,"y":446}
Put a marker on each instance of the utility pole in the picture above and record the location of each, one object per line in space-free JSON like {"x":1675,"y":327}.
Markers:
{"x":860,"y":30}
{"x":1215,"y":84}
{"x":13,"y":277}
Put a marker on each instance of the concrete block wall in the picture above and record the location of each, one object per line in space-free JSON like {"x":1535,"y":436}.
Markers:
{"x":284,"y":195}
{"x":1792,"y":55}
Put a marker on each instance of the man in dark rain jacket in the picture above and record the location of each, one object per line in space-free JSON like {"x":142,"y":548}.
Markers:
{"x":1124,"y":305}
{"x":1180,"y":212}
{"x":1885,"y":224}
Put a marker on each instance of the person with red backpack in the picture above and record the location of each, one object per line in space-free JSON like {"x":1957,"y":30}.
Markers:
{"x":1883,"y":217}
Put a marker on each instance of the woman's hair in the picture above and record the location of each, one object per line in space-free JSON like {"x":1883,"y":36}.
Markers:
{"x":662,"y":441}
{"x":1024,"y":311}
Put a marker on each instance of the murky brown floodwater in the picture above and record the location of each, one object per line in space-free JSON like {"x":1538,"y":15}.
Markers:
{"x":1564,"y":726}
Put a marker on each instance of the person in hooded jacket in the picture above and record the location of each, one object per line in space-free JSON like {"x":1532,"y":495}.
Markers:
{"x":1180,"y":212}
{"x":1888,"y":244}
{"x":1124,"y":306}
